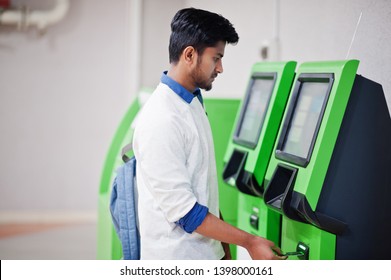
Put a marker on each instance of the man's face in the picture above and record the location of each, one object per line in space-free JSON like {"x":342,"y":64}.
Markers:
{"x":209,"y":65}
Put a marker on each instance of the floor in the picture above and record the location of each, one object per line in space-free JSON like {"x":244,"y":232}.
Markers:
{"x":48,"y":241}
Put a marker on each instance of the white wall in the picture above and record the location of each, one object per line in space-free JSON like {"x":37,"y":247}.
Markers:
{"x":323,"y":30}
{"x":63,"y":94}
{"x":156,"y":21}
{"x":309,"y":30}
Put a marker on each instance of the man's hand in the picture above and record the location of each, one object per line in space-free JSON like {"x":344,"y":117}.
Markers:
{"x":262,"y":249}
{"x":259,"y":248}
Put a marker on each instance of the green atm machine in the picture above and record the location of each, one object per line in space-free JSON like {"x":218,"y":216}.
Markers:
{"x":329,"y":175}
{"x":251,"y":145}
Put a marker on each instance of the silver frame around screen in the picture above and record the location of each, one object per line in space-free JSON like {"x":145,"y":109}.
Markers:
{"x":305,"y":77}
{"x":254,"y":76}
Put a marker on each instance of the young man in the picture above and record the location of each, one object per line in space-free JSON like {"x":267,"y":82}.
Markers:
{"x":176,"y":171}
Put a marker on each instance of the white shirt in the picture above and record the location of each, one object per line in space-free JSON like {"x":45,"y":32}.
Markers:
{"x":175,"y":169}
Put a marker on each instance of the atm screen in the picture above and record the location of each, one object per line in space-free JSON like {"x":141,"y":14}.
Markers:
{"x":254,"y":110}
{"x":304,"y":118}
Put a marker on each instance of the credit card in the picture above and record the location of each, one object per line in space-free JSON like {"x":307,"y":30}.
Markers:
{"x":293,"y":254}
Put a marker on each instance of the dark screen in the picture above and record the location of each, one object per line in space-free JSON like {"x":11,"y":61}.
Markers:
{"x":255,"y":109}
{"x":305,"y":118}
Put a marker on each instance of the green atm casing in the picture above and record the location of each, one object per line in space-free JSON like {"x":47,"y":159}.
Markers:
{"x":253,"y":137}
{"x":221,"y":115}
{"x":328,"y":175}
{"x":108,"y":243}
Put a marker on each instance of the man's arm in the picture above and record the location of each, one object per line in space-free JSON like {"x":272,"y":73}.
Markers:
{"x":259,"y":248}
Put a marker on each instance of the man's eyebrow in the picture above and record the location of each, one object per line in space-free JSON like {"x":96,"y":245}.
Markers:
{"x":220,"y":54}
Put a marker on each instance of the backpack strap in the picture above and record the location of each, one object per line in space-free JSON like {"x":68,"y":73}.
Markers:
{"x":127,"y":148}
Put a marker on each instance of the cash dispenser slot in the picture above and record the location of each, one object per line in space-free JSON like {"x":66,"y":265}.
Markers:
{"x":235,"y":175}
{"x":280,"y":196}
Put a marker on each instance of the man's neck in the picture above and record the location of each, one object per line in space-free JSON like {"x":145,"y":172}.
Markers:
{"x":181,"y":77}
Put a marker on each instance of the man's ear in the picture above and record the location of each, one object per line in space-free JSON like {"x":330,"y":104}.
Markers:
{"x":189,"y":55}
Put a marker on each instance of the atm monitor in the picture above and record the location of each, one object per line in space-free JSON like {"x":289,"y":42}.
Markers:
{"x":254,"y":109}
{"x":303,"y":119}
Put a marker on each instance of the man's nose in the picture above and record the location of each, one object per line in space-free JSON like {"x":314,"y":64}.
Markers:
{"x":219,"y":67}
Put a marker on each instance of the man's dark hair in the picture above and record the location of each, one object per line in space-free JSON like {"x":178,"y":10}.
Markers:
{"x":199,"y":29}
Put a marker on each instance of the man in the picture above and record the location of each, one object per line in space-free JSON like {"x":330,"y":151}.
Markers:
{"x":178,"y":207}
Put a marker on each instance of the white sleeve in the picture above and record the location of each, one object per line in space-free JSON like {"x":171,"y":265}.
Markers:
{"x":160,"y":149}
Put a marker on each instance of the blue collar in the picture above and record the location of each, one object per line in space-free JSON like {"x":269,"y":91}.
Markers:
{"x":180,"y":90}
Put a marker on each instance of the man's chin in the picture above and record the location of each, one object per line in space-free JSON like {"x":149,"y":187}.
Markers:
{"x":208,"y":88}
